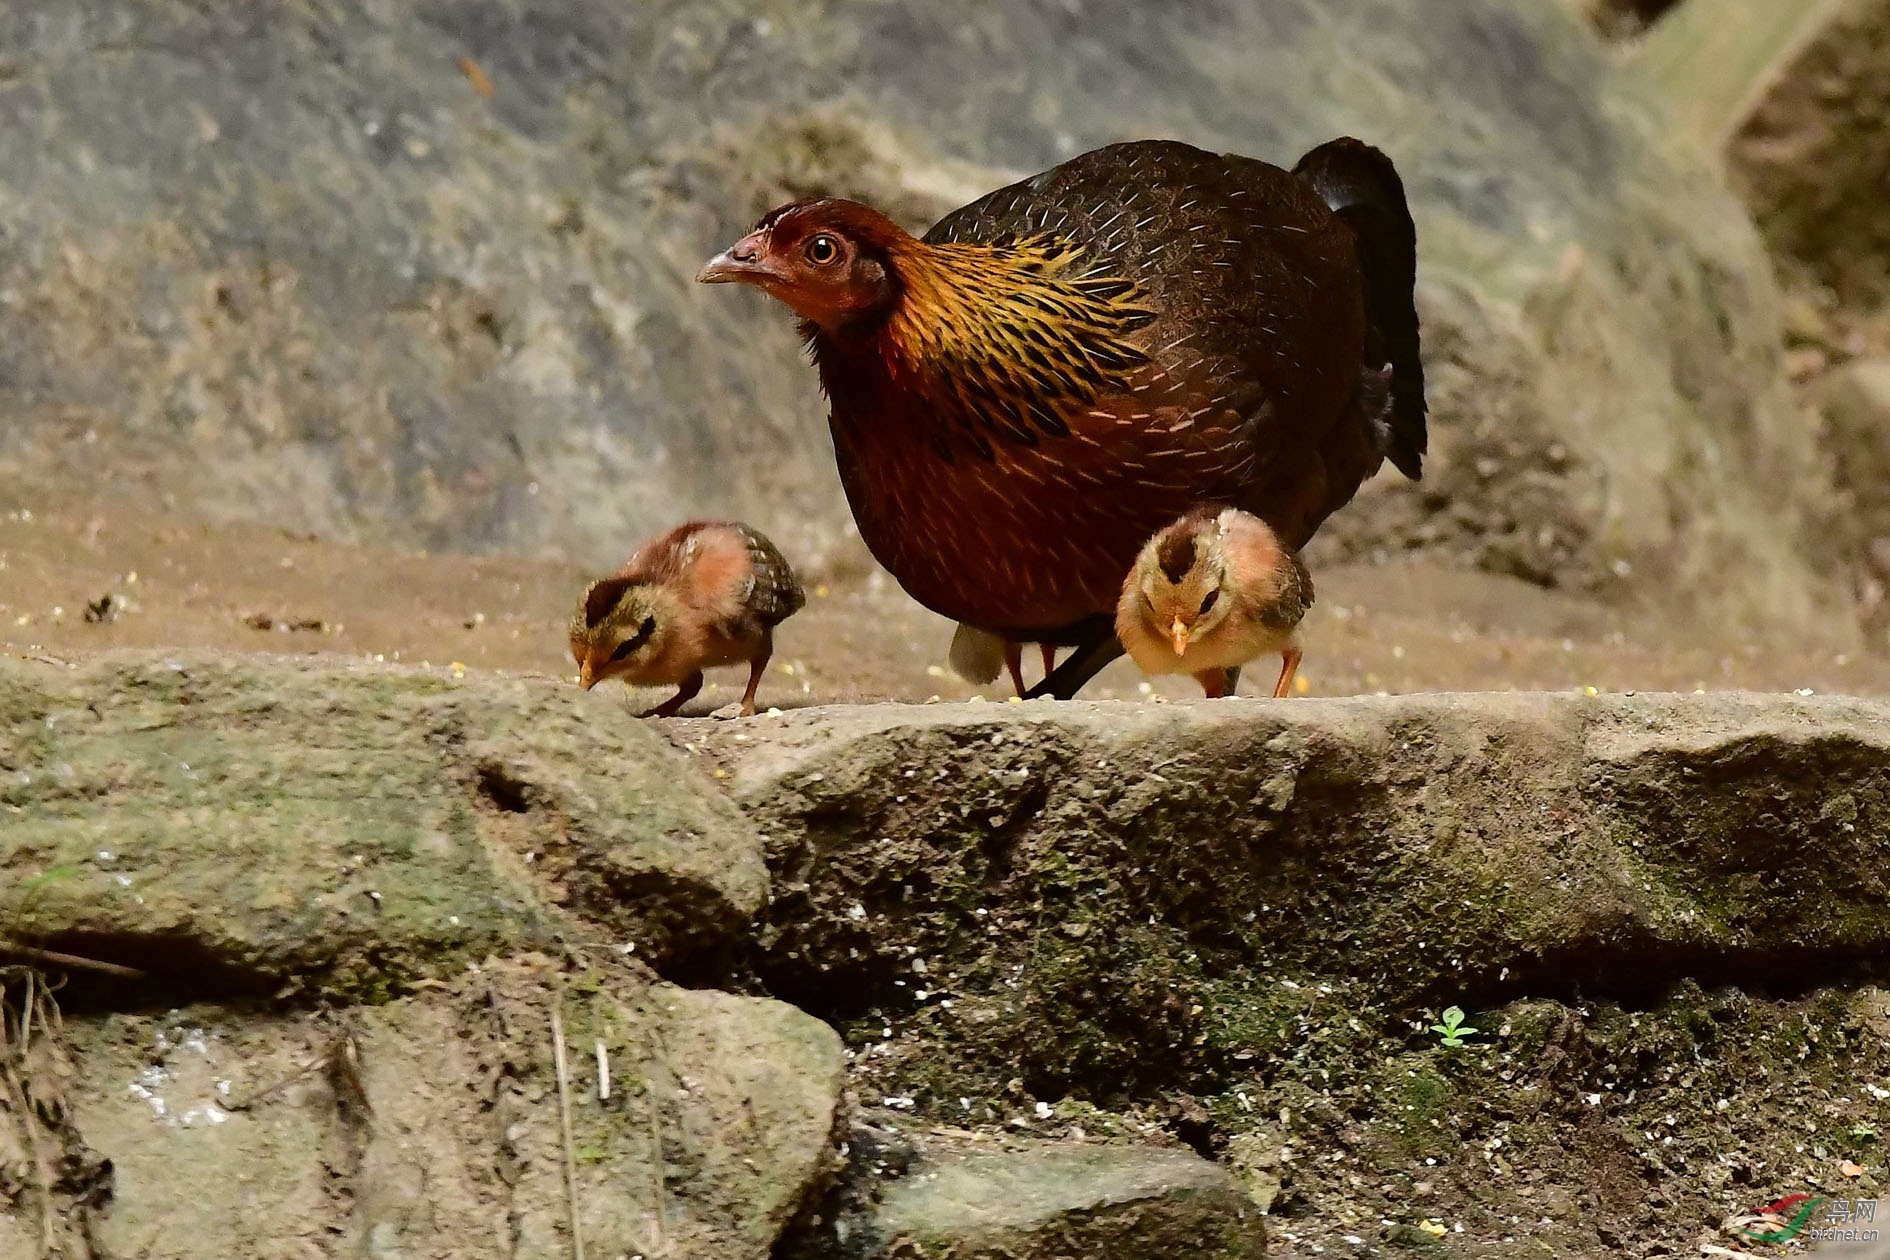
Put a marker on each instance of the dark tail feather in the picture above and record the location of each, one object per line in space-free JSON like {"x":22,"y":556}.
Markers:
{"x":1363,"y":188}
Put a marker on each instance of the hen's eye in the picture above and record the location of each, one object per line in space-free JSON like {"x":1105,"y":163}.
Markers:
{"x":1209,"y":601}
{"x":822,"y":250}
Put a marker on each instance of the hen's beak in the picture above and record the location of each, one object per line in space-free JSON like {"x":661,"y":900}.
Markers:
{"x":1180,"y":634}
{"x":741,"y":262}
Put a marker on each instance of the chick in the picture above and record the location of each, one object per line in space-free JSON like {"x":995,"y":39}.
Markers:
{"x":1208,"y":594}
{"x":704,"y":594}
{"x":975,"y":654}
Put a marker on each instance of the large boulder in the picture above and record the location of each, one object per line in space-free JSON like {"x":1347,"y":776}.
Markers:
{"x":230,"y":825}
{"x":424,"y":272}
{"x":964,"y":1196}
{"x":1241,"y":922}
{"x":434,"y":1125}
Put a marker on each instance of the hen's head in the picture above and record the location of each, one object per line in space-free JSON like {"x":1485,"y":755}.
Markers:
{"x":828,"y":260}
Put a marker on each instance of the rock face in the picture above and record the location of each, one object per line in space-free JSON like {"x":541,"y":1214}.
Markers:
{"x":1853,"y":403}
{"x":1812,"y":157}
{"x":425,"y":270}
{"x":311,"y":830}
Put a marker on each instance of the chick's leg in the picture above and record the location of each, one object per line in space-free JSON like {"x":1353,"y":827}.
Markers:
{"x":1014,"y":661}
{"x":1049,"y":661}
{"x":755,"y":667}
{"x":684,"y":694}
{"x":1217,"y":683}
{"x":1289,"y":663}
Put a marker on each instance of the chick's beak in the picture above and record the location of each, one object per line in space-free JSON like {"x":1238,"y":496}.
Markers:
{"x":586,"y":679}
{"x":742,"y":262}
{"x":1180,"y":634}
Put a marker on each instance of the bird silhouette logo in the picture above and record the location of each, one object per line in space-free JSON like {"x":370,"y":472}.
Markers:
{"x":1805,"y":1205}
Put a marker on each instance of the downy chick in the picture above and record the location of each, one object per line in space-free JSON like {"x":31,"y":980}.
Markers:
{"x":706,"y":593}
{"x":1210,"y":593}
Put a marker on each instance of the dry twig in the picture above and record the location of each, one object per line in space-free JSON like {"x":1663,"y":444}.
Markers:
{"x":564,"y":1122}
{"x":660,"y":1057}
{"x":41,"y":658}
{"x":325,"y":1059}
{"x":19,"y":1095}
{"x":53,"y":958}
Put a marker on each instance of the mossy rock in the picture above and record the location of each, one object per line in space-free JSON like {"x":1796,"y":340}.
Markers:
{"x":243,"y":823}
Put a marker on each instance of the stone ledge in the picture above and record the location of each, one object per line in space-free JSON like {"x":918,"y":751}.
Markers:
{"x":1122,"y":876}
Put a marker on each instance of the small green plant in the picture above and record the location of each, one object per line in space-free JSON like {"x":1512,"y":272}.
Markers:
{"x":1864,"y":1133}
{"x":1453,"y":1029}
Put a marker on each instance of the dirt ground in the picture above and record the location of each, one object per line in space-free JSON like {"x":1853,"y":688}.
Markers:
{"x":177,"y":582}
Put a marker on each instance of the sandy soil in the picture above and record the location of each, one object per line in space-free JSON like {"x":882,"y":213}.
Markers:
{"x":177,"y":582}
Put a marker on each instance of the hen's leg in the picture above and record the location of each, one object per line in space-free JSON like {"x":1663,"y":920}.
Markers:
{"x":1096,"y":651}
{"x":1014,"y":661}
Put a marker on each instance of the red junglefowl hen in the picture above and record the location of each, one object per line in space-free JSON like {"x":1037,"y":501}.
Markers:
{"x":1066,"y":365}
{"x":704,"y":594}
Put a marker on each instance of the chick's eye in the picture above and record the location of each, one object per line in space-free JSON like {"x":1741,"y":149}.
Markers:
{"x":822,"y":250}
{"x":636,"y":640}
{"x":1208,"y":602}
